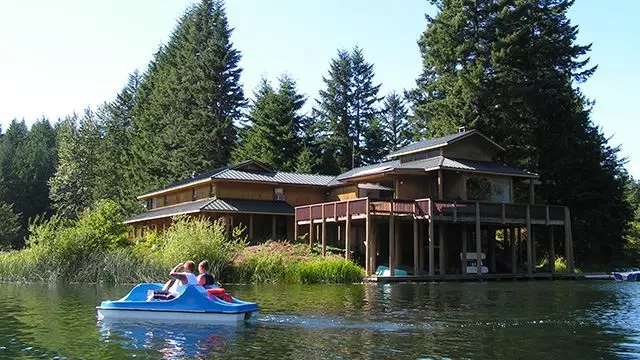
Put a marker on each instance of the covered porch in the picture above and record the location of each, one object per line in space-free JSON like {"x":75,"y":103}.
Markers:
{"x":429,"y":237}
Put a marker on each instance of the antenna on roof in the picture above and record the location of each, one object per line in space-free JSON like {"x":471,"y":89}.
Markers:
{"x":462,"y":129}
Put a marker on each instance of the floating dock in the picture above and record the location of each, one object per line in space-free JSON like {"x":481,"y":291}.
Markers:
{"x":488,"y":277}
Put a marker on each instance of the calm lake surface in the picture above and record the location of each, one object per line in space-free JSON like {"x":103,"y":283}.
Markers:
{"x":510,"y":320}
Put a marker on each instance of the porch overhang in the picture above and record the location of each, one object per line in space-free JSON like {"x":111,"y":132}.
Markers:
{"x":216,"y":205}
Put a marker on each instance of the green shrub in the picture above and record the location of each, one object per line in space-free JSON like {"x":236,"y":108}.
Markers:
{"x":329,"y":270}
{"x":200,"y":239}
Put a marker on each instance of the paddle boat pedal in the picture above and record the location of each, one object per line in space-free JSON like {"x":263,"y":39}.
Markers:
{"x":193,"y":303}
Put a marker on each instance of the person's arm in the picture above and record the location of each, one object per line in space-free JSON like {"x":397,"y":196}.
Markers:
{"x":178,"y":275}
{"x":201,"y":280}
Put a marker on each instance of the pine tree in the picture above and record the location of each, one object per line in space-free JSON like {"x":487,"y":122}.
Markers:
{"x":34,"y":164}
{"x":274,"y":125}
{"x":394,"y":116}
{"x":115,"y":158}
{"x":345,"y":109}
{"x":376,"y":145}
{"x":73,"y":187}
{"x":363,"y":109}
{"x":189,"y":99}
{"x":510,"y":69}
{"x":9,"y":227}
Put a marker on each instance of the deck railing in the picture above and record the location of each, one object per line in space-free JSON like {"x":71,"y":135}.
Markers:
{"x":442,"y":210}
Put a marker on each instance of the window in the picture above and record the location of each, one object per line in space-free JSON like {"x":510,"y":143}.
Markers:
{"x":166,"y":201}
{"x":154,"y":203}
{"x":213,"y":191}
{"x":193,"y":194}
{"x":148,"y":204}
{"x":488,"y":189}
{"x":420,"y":156}
{"x":279,"y":194}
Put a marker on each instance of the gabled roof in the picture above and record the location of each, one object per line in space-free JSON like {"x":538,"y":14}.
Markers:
{"x":249,"y":170}
{"x":216,"y":205}
{"x":434,"y":163}
{"x":436,"y":143}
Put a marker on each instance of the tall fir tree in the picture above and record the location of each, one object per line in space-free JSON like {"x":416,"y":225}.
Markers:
{"x":345,"y":109}
{"x":273,"y":132}
{"x":394,"y":116}
{"x":115,"y":158}
{"x":510,"y":69}
{"x":189,"y":99}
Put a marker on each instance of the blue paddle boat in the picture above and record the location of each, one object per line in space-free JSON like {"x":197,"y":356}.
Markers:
{"x":193,"y":303}
{"x":630,"y":276}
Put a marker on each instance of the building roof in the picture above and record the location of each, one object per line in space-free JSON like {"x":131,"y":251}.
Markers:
{"x":248,"y":171}
{"x":439,"y":142}
{"x":169,"y":211}
{"x":434,"y":163}
{"x":216,"y":205}
{"x":250,"y":206}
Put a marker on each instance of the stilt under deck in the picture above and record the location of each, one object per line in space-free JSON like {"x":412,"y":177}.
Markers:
{"x":446,"y":231}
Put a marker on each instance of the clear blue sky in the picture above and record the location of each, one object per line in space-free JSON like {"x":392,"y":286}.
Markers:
{"x":57,"y":57}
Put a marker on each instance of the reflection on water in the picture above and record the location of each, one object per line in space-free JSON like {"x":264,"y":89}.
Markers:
{"x":524,"y":320}
{"x":172,"y":340}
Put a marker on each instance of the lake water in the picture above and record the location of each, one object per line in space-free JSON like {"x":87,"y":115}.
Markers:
{"x":484,"y":320}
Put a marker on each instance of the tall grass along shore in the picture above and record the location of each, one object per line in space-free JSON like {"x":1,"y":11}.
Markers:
{"x":95,"y":249}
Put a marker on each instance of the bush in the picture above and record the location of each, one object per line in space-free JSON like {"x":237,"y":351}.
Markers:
{"x":282,"y":262}
{"x":200,"y":239}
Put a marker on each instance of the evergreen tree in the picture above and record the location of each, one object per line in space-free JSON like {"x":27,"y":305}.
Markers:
{"x":345,"y":109}
{"x":509,"y":69}
{"x":34,"y":164}
{"x":9,"y":227}
{"x":115,"y":165}
{"x":72,"y":188}
{"x":274,"y":126}
{"x":394,"y":116}
{"x":189,"y":99}
{"x":375,"y":145}
{"x":363,"y":109}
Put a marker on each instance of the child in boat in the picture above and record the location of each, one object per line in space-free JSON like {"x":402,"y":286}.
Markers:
{"x":205,"y":279}
{"x":180,"y":279}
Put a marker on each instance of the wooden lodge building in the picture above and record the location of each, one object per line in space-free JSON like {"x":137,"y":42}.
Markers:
{"x":433,"y":209}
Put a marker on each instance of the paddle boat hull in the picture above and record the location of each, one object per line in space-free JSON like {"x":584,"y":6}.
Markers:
{"x":193,"y":304}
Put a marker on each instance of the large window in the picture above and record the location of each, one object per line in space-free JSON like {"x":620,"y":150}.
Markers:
{"x":488,"y":189}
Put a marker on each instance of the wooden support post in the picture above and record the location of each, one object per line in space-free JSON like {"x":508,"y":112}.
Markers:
{"x":534,"y":258}
{"x":392,"y":242}
{"x":367,"y":238}
{"x":324,"y":232}
{"x":514,"y":254}
{"x":532,"y":195}
{"x":373,"y":239}
{"x":478,"y":241}
{"x":504,"y":214}
{"x":552,"y":251}
{"x":568,"y":246}
{"x":519,"y":244}
{"x":441,"y":257}
{"x":440,"y":185}
{"x":421,"y":245}
{"x":347,"y":234}
{"x":431,"y":243}
{"x":312,"y":228}
{"x":251,"y":227}
{"x":492,"y":251}
{"x":397,"y":241}
{"x":464,"y":248}
{"x":273,"y":227}
{"x":416,"y":250}
{"x":529,"y":243}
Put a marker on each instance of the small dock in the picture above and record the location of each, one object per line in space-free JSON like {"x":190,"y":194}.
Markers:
{"x":487,"y":277}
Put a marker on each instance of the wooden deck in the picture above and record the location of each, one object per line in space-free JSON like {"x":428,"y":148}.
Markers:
{"x":440,"y":211}
{"x":487,"y":277}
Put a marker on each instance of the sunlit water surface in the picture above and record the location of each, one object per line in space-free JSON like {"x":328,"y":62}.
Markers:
{"x":490,"y":320}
